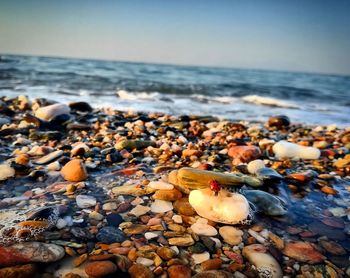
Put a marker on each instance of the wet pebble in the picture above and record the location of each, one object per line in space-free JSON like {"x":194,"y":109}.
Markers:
{"x":110,"y":234}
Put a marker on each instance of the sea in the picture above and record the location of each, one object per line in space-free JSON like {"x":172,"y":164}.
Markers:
{"x":228,"y":93}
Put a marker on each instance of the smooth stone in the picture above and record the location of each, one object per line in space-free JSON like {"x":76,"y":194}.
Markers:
{"x":139,"y":210}
{"x":19,"y":271}
{"x":109,"y":206}
{"x":140,"y":271}
{"x":284,"y":149}
{"x":80,"y":106}
{"x":132,"y":189}
{"x":215,"y":274}
{"x":183,"y":207}
{"x":264,"y":262}
{"x":197,"y":248}
{"x":268,"y":174}
{"x":199,"y":258}
{"x":185,"y":240}
{"x":177,"y":219}
{"x":49,"y":112}
{"x":135,"y":229}
{"x":302,"y":252}
{"x":110,"y":234}
{"x":85,"y":201}
{"x":226,"y":207}
{"x":160,"y":206}
{"x":179,"y":271}
{"x":144,"y":261}
{"x":28,"y":252}
{"x":49,"y":157}
{"x":54,"y":166}
{"x":202,"y":228}
{"x":244,"y":153}
{"x":211,"y":264}
{"x":231,"y":235}
{"x":167,"y":195}
{"x":166,"y":253}
{"x":114,"y":219}
{"x":265,"y":202}
{"x":160,"y":185}
{"x":74,"y":171}
{"x":100,"y":268}
{"x":96,"y":216}
{"x":255,"y":165}
{"x":279,"y":121}
{"x":150,"y":235}
{"x":6,"y":171}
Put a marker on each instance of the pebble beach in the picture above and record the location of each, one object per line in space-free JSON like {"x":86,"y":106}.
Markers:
{"x":98,"y":192}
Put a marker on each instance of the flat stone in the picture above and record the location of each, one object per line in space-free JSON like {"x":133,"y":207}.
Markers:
{"x":49,"y":157}
{"x":6,"y":171}
{"x":100,"y":268}
{"x":231,"y":235}
{"x":185,"y":240}
{"x":160,"y":185}
{"x":19,"y":271}
{"x":28,"y":252}
{"x":85,"y":201}
{"x":179,"y":271}
{"x":135,"y":229}
{"x":110,"y":234}
{"x":139,"y":210}
{"x":160,"y":206}
{"x":303,"y":252}
{"x":199,"y":258}
{"x":139,"y":270}
{"x":202,"y":228}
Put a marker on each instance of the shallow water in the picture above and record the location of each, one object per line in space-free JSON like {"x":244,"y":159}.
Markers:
{"x":229,"y":93}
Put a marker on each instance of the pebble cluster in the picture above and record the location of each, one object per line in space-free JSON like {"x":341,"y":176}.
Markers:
{"x":115,"y":194}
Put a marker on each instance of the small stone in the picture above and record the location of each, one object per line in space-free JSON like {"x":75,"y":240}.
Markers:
{"x":255,"y":165}
{"x":110,"y":234}
{"x":199,"y":258}
{"x":49,"y":112}
{"x":160,"y":206}
{"x":333,"y":247}
{"x":22,"y":159}
{"x":85,"y":201}
{"x":139,"y":210}
{"x":109,"y":206}
{"x":80,"y":260}
{"x":6,"y":172}
{"x":96,"y":216}
{"x":197,"y":248}
{"x":186,"y":240}
{"x":114,"y":219}
{"x":49,"y":157}
{"x":167,"y":195}
{"x":231,"y":235}
{"x":176,"y":228}
{"x":177,"y":219}
{"x":302,"y":252}
{"x":140,"y":271}
{"x":100,"y":268}
{"x":244,"y":153}
{"x":74,"y":171}
{"x":179,"y":271}
{"x":166,"y":253}
{"x":279,"y":121}
{"x":135,"y":229}
{"x":54,"y":166}
{"x":144,"y":261}
{"x":160,"y":185}
{"x":183,"y":207}
{"x":276,"y":240}
{"x":19,"y":271}
{"x":28,"y":252}
{"x":211,"y":264}
{"x":150,"y":235}
{"x":202,"y":228}
{"x":61,"y":223}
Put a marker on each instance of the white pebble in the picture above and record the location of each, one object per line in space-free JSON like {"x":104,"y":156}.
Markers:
{"x":160,"y":206}
{"x":144,"y":261}
{"x":255,"y":165}
{"x":85,"y":201}
{"x":199,"y":258}
{"x":177,"y":219}
{"x":284,"y":149}
{"x":150,"y":235}
{"x":160,"y":185}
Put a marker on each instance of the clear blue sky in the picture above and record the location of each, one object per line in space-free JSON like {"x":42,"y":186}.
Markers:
{"x":298,"y":35}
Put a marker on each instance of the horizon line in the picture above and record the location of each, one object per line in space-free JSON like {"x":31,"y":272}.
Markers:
{"x":57,"y":56}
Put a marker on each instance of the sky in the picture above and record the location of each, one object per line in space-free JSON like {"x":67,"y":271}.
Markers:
{"x":292,"y":35}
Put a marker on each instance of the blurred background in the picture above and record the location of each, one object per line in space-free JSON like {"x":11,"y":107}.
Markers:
{"x":234,"y":59}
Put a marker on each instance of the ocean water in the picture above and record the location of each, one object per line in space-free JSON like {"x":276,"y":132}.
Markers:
{"x":236,"y":94}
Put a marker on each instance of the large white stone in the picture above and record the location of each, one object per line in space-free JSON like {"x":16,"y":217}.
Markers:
{"x":284,"y":149}
{"x":199,"y":258}
{"x":226,"y":207}
{"x":231,"y":235}
{"x":47,"y":113}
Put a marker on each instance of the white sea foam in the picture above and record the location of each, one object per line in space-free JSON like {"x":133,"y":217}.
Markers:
{"x":269,"y":101}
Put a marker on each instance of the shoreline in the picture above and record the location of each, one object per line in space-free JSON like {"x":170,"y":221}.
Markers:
{"x":106,"y":202}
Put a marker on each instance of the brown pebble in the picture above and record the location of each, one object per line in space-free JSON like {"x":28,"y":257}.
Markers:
{"x":74,"y":171}
{"x":179,"y":271}
{"x":211,"y":264}
{"x":80,"y":260}
{"x":100,"y":268}
{"x":140,"y":271}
